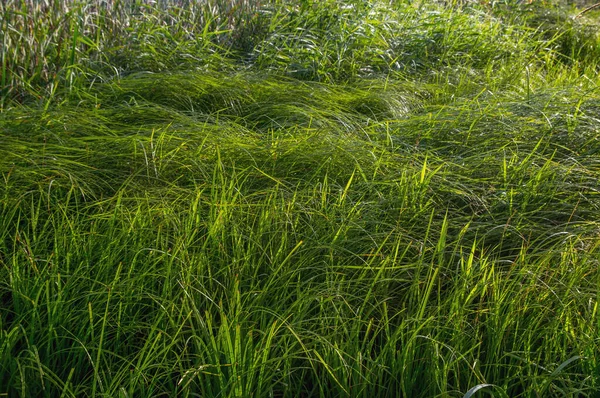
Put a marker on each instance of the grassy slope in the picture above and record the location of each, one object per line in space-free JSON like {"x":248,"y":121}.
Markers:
{"x":299,"y":200}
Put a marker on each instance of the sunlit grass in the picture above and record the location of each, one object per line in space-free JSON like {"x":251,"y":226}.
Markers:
{"x":228,"y":200}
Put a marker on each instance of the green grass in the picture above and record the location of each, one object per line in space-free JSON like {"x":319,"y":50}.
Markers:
{"x":298,"y":199}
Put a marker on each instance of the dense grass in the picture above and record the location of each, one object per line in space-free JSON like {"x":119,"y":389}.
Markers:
{"x":299,"y":198}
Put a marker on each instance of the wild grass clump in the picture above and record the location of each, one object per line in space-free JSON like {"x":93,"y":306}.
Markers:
{"x":230,"y":200}
{"x":573,"y":36}
{"x":52,"y":47}
{"x":333,"y":41}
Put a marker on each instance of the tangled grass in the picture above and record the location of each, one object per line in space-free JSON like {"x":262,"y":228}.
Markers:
{"x":298,"y":198}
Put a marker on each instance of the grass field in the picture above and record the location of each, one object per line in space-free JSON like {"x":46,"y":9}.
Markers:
{"x":310,"y":198}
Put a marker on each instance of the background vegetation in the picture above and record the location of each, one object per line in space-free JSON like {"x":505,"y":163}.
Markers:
{"x":299,"y":198}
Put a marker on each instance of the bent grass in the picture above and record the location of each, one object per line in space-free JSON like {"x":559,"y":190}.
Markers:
{"x":302,"y":222}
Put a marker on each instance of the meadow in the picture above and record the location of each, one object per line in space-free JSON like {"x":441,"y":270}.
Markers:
{"x":299,"y":198}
